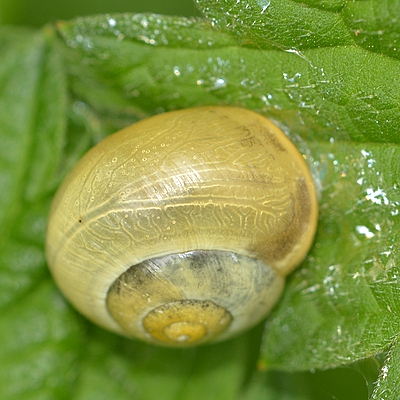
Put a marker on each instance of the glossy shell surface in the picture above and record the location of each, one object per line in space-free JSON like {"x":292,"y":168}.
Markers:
{"x":203,"y":179}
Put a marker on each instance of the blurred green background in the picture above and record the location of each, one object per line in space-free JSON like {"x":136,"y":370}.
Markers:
{"x":37,"y":13}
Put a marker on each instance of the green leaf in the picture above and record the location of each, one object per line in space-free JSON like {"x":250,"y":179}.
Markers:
{"x":374,"y":25}
{"x":285,"y":24}
{"x":276,"y":386}
{"x":147,"y":372}
{"x":32,"y":119}
{"x":41,"y":347}
{"x":343,"y":92}
{"x":34,"y":324}
{"x":325,"y":71}
{"x":388,"y":385}
{"x":346,"y":293}
{"x":341,"y":383}
{"x":333,"y":97}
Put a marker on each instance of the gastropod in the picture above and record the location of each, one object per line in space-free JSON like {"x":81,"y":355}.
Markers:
{"x":181,"y":228}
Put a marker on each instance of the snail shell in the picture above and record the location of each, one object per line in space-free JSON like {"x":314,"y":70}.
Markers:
{"x":180,"y":229}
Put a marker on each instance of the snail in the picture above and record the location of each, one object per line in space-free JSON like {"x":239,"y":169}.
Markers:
{"x":180,"y":229}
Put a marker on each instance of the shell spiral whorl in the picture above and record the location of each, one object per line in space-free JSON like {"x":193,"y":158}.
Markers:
{"x":180,"y":229}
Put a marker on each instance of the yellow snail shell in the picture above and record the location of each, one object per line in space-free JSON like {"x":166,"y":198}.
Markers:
{"x":181,"y":228}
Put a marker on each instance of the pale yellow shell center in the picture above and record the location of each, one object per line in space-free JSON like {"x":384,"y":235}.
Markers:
{"x":186,"y":322}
